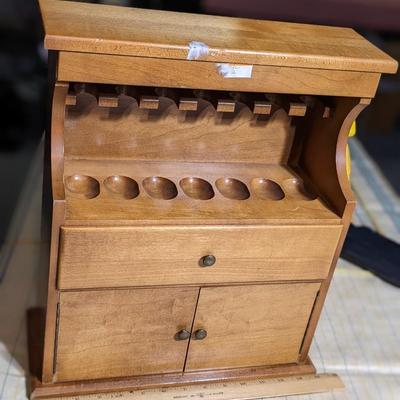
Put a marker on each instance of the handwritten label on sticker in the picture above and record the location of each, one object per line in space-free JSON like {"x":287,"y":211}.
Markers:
{"x":234,"y":71}
{"x":197,"y":50}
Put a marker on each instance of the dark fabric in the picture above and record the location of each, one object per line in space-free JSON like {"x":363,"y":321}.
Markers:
{"x":374,"y":252}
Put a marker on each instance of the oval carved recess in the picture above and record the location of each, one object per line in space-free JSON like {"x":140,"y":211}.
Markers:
{"x":122,"y":186}
{"x":232,"y":188}
{"x":267,"y":189}
{"x":82,"y":186}
{"x":160,"y":188}
{"x":197,"y":188}
{"x":295,"y":187}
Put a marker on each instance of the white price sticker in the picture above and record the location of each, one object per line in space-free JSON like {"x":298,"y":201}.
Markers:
{"x":234,"y":70}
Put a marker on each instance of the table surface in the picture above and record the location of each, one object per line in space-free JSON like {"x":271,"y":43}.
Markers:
{"x":358,"y":336}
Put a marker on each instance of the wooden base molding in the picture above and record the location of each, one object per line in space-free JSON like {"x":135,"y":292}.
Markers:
{"x":40,"y":390}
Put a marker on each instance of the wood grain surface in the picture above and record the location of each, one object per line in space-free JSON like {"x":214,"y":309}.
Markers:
{"x":115,"y":385}
{"x":294,"y":207}
{"x":113,"y":333}
{"x":126,"y":256}
{"x":83,"y":67}
{"x":261,"y":325}
{"x":168,"y":134}
{"x":81,"y":27}
{"x":185,"y":200}
{"x":51,"y":315}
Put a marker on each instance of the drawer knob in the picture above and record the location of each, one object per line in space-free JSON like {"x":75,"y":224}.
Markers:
{"x":183,"y":334}
{"x":200,"y":334}
{"x":207,"y":261}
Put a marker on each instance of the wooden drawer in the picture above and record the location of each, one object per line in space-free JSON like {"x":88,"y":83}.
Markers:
{"x":96,"y":257}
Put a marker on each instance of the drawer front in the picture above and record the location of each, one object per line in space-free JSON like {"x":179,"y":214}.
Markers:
{"x":96,"y":257}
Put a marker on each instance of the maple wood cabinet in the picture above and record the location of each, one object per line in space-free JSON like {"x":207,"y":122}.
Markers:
{"x":196,"y":195}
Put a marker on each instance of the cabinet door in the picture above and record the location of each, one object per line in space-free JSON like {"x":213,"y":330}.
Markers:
{"x":112,"y":333}
{"x":250,"y":325}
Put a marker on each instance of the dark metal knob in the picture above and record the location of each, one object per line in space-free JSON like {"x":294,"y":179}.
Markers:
{"x":183,"y":334}
{"x":207,"y":261}
{"x":200,"y":334}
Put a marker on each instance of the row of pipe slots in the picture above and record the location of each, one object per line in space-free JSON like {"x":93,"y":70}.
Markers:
{"x":123,"y":187}
{"x":148,"y":98}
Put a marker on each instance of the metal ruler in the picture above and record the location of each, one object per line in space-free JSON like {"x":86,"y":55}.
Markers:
{"x":249,"y":389}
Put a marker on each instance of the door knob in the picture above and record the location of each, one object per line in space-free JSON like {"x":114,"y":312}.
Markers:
{"x":207,"y":261}
{"x":200,"y":334}
{"x":183,"y":334}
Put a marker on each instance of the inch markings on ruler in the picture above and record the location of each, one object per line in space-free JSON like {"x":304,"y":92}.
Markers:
{"x":249,"y":389}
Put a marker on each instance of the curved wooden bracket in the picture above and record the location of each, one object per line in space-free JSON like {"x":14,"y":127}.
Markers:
{"x":323,"y":155}
{"x":325,"y":162}
{"x":57,"y":140}
{"x":342,"y":141}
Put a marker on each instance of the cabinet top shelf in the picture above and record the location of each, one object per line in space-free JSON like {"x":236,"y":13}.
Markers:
{"x":102,"y":29}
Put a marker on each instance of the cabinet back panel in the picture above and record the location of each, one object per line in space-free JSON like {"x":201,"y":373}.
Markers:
{"x":93,"y":132}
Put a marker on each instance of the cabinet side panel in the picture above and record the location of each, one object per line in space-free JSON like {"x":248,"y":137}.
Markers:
{"x":336,"y":189}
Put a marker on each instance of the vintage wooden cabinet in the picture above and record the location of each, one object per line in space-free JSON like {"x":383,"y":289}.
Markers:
{"x":198,"y":193}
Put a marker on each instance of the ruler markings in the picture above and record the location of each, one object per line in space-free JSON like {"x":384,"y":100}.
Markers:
{"x":239,"y":390}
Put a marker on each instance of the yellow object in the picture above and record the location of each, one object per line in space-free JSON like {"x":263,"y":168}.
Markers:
{"x":352,"y":132}
{"x":352,"y":129}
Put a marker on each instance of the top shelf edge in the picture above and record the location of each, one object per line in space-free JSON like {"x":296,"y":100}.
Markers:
{"x":91,"y":28}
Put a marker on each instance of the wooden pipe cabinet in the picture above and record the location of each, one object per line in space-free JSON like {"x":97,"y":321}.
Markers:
{"x":197,"y":193}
